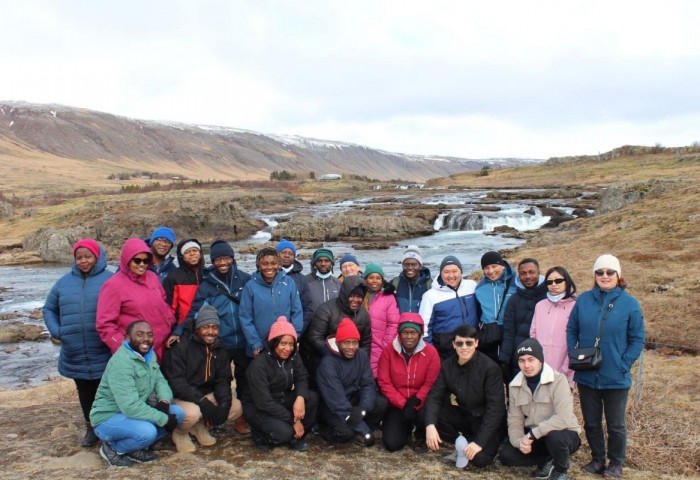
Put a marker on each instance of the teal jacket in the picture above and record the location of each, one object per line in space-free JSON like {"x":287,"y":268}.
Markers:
{"x":126,"y":384}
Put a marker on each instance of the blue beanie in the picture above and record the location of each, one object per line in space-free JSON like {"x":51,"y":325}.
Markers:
{"x":284,"y":243}
{"x":163,"y":232}
{"x":450,"y":260}
{"x":348,"y":257}
{"x":220,"y":248}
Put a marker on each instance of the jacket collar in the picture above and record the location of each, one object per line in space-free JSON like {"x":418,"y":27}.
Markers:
{"x":546,"y":377}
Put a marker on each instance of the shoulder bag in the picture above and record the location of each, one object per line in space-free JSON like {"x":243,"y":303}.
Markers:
{"x":588,"y":358}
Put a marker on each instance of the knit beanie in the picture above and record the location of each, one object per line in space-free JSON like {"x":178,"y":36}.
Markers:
{"x":220,"y":248}
{"x":450,"y":260}
{"x":321,"y":253}
{"x":191,"y":244}
{"x":346,"y":331}
{"x":284,"y":243}
{"x":531,"y":347}
{"x":492,"y":258}
{"x":608,"y":261}
{"x":88,"y":243}
{"x":411,"y":320}
{"x":373,"y":268}
{"x":282,"y":327}
{"x":348,"y":258}
{"x":207,"y":315}
{"x":358,"y":290}
{"x":163,"y":232}
{"x":412,"y":251}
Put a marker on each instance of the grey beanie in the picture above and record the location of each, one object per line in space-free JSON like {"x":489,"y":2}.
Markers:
{"x":450,"y":260}
{"x":207,"y":315}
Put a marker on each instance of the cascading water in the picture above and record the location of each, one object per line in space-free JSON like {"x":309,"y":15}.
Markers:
{"x":512,"y":216}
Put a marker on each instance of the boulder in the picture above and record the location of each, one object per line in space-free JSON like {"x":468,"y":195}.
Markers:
{"x":18,"y":331}
{"x":54,"y":245}
{"x":6,"y":210}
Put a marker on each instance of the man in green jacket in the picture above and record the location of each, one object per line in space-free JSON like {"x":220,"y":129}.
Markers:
{"x":132,"y":408}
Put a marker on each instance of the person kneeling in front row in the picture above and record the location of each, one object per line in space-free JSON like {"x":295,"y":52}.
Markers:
{"x":133,"y":406}
{"x":542,"y":427}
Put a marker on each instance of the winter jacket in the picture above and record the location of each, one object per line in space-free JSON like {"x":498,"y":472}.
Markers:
{"x":126,"y":297}
{"x":622,"y":339}
{"x":490,"y":295}
{"x":128,"y":381}
{"x":303,"y":289}
{"x":339,"y":379}
{"x":181,"y":283}
{"x":224,"y":294}
{"x":549,"y":328}
{"x":326,"y":320}
{"x":409,"y":295}
{"x":384,"y":321}
{"x":400,"y":379}
{"x":69,"y":314}
{"x":270,"y":378}
{"x":517,"y":319}
{"x":195,"y":369}
{"x":443,"y":309}
{"x":165,"y":268}
{"x":263,"y":303}
{"x":477,"y":387}
{"x":549,"y":408}
{"x":321,"y":290}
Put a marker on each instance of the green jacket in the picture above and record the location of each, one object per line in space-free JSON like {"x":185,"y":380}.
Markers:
{"x":126,"y":384}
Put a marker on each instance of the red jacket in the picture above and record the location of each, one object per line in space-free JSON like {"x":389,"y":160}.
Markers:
{"x":399,"y":380}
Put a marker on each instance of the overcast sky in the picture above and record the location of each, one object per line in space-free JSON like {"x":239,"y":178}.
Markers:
{"x":459,"y":78}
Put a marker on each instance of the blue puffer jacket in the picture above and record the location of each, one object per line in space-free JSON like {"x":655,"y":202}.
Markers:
{"x":490,"y":295}
{"x":621,"y":341}
{"x":262,"y":304}
{"x":69,"y":314}
{"x":224,"y":295}
{"x":408,"y":295}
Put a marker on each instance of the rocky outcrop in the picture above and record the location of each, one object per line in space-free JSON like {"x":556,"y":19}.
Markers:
{"x":54,"y":245}
{"x":617,"y":196}
{"x":6,"y":210}
{"x":18,"y":331}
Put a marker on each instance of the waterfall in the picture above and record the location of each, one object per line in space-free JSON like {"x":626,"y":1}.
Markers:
{"x":487,"y":221}
{"x":439,"y":221}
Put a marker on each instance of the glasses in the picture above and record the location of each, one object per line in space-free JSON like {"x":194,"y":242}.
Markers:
{"x":609,"y":273}
{"x":464,"y":343}
{"x":139,"y":261}
{"x":555,"y":280}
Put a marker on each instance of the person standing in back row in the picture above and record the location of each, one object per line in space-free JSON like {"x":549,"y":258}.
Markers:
{"x":293,"y":268}
{"x":323,"y":286}
{"x":161,"y":242}
{"x":413,"y":281}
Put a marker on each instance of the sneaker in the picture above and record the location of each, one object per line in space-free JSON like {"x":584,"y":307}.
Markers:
{"x":366,"y":440}
{"x":559,"y":476}
{"x":142,"y":456}
{"x":595,"y":467}
{"x":450,"y":459}
{"x":298,"y":445}
{"x":113,"y":458}
{"x":614,"y":470}
{"x":90,"y":439}
{"x":544,"y":471}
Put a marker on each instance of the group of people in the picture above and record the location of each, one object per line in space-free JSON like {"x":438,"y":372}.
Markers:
{"x":154,"y":348}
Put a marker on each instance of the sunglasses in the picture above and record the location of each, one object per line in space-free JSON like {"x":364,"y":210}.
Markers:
{"x":139,"y":261}
{"x":555,"y":280}
{"x":464,"y":343}
{"x":609,"y":273}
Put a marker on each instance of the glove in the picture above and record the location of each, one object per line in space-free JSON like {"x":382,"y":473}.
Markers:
{"x":409,"y":409}
{"x":507,"y":372}
{"x":208,"y":409}
{"x":221,"y":414}
{"x":172,"y":423}
{"x":355,"y":417}
{"x":163,"y":406}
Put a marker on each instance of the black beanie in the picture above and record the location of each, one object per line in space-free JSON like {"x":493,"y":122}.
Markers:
{"x":492,"y":258}
{"x":531,"y":347}
{"x":220,"y":248}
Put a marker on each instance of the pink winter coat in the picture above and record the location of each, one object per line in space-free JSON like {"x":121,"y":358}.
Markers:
{"x":126,"y":297}
{"x":549,"y":328}
{"x":384,"y":320}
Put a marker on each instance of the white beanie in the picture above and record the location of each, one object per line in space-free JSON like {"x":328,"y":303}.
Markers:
{"x":412,"y":251}
{"x":608,"y":261}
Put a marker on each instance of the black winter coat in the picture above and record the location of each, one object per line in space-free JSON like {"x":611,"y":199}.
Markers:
{"x":304,"y":293}
{"x":517,"y":320}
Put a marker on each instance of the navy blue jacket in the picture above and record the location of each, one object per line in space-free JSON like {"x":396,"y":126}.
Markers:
{"x":69,"y":314}
{"x":304,"y":292}
{"x":621,"y":341}
{"x":408,"y":295}
{"x":518,"y":318}
{"x":165,"y":268}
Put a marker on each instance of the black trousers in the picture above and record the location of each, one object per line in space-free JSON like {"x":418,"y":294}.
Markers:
{"x":335,"y":430}
{"x":558,"y":445}
{"x":240,"y":361}
{"x":87,"y":389}
{"x":396,"y":430}
{"x":269,"y":430}
{"x":453,"y":421}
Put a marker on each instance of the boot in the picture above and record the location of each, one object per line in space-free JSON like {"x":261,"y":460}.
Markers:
{"x":182,"y":441}
{"x":241,"y":426}
{"x":201,"y":433}
{"x":90,"y":439}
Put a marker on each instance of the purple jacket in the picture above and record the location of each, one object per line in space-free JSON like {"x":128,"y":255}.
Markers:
{"x":384,"y":320}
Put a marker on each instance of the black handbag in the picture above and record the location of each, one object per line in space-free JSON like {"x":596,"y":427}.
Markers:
{"x":588,"y":358}
{"x":491,"y":334}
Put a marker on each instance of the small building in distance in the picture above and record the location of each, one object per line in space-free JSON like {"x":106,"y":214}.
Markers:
{"x":330,"y":176}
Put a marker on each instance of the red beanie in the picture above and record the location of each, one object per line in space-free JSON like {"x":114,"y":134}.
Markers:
{"x":88,"y":243}
{"x":282,"y":327}
{"x":346,"y":330}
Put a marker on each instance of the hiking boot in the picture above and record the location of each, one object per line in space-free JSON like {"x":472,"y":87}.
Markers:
{"x":559,"y":476}
{"x":450,"y":459}
{"x":241,"y":426}
{"x":298,"y":445}
{"x":182,"y":441}
{"x":544,"y":471}
{"x":201,"y":433}
{"x":142,"y":456}
{"x":366,"y":440}
{"x":596,"y":467}
{"x":419,"y":447}
{"x":614,"y":470}
{"x":113,"y":458}
{"x":90,"y":439}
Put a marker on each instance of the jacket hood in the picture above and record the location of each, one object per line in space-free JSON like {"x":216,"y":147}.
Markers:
{"x":539,"y":289}
{"x":131,"y":248}
{"x":297,"y":267}
{"x":180,"y":259}
{"x":520,"y":285}
{"x":99,"y":267}
{"x":348,"y":285}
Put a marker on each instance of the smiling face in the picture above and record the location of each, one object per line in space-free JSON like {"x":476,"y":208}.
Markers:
{"x":323,"y":265}
{"x":411,"y":269}
{"x":529,"y":365}
{"x":348,"y":348}
{"x":268,"y":265}
{"x":286,"y":347}
{"x":494,"y":271}
{"x":160,"y":247}
{"x":451,"y":275}
{"x":287,"y":257}
{"x":139,"y":264}
{"x":606,"y":279}
{"x":192,"y":256}
{"x":555,"y":283}
{"x":354,"y":301}
{"x":84,"y":259}
{"x":529,"y":274}
{"x":349,"y":269}
{"x":465,"y":348}
{"x":140,"y":338}
{"x":223,"y":264}
{"x":374,"y":282}
{"x":409,"y":338}
{"x":208,"y":333}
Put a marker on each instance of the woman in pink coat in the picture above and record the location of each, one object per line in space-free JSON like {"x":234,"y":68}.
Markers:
{"x":383,"y":312}
{"x":551,"y":317}
{"x":133,"y":293}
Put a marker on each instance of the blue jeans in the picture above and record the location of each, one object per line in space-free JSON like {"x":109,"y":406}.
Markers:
{"x":613,"y":402}
{"x":127,"y":435}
